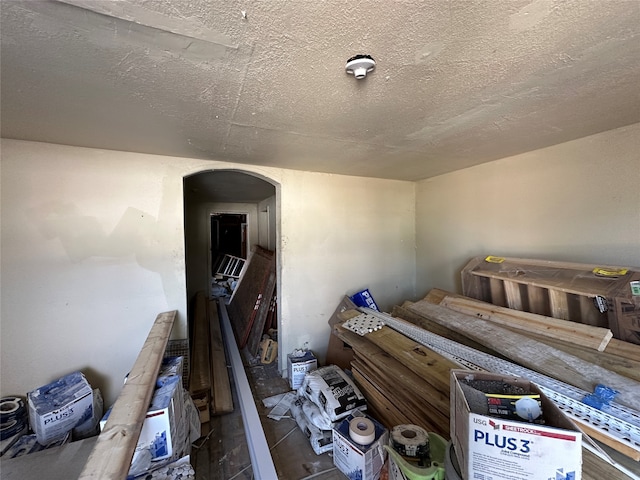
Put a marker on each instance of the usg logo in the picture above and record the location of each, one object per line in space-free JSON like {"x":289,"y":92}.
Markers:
{"x":502,"y":441}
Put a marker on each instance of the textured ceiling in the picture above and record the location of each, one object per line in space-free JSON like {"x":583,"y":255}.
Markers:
{"x":457,"y":82}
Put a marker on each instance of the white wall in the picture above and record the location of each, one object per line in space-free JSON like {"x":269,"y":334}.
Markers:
{"x":267,"y":223}
{"x":578,"y":202}
{"x":93,"y":249}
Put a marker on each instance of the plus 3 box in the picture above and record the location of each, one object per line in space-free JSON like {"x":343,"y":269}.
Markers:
{"x":357,"y":461}
{"x":501,"y":449}
{"x":56,"y":408}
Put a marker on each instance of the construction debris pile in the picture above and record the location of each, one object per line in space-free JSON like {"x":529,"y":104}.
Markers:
{"x":404,"y":368}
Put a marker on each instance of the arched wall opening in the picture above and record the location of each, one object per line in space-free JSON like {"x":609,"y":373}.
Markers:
{"x":239,"y":205}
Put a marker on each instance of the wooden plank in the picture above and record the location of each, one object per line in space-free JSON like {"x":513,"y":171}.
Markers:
{"x":594,"y":468}
{"x":111,"y":457}
{"x":431,"y":367}
{"x":622,"y":363}
{"x":200,"y":375}
{"x":386,"y":365}
{"x":498,"y":295}
{"x":535,"y":355}
{"x":419,"y":409}
{"x":512,"y":292}
{"x":559,"y":303}
{"x":538,"y":300}
{"x":386,"y":411}
{"x":221,"y":396}
{"x":404,"y":313}
{"x":585,"y":335}
{"x":623,"y":448}
{"x":624,"y":349}
{"x":576,"y":278}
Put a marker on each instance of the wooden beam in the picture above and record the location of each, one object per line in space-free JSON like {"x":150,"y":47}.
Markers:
{"x":222,"y":399}
{"x":533,"y":354}
{"x":111,"y":457}
{"x":581,"y":334}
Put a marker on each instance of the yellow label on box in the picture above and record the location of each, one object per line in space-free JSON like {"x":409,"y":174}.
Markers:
{"x":492,"y":259}
{"x":609,"y":272}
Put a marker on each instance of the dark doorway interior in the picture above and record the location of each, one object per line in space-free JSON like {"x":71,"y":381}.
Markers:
{"x":228,"y":236}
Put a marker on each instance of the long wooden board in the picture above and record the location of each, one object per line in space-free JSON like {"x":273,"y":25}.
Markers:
{"x":533,"y":354}
{"x":221,"y":396}
{"x":200,"y":375}
{"x":586,"y":335}
{"x":111,"y":457}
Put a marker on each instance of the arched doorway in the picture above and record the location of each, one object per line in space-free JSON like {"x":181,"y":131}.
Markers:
{"x":239,"y":205}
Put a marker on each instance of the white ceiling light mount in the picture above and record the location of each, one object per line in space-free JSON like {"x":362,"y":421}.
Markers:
{"x":360,"y":65}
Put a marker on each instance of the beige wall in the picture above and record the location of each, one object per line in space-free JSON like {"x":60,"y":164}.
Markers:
{"x":93,"y":249}
{"x":578,"y":201}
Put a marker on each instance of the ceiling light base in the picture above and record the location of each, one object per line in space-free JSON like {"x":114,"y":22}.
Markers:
{"x":360,"y":65}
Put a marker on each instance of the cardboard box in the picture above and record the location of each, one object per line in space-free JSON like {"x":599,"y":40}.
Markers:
{"x":356,"y":461}
{"x":298,"y":366}
{"x":499,"y":449}
{"x":56,"y":408}
{"x":364,"y":299}
{"x":164,"y":416}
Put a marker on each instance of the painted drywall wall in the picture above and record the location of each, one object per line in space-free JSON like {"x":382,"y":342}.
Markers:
{"x":267,"y":223}
{"x":577,"y":202}
{"x":93,"y":248}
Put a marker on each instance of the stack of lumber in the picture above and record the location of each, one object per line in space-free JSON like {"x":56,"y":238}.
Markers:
{"x":407,"y":383}
{"x":591,"y":344}
{"x":403,"y":381}
{"x":251,"y":302}
{"x":209,"y":384}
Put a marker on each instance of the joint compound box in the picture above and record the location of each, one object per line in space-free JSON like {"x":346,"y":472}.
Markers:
{"x":357,"y":461}
{"x":159,"y":429}
{"x":298,"y":364}
{"x":495,"y":448}
{"x":56,"y":408}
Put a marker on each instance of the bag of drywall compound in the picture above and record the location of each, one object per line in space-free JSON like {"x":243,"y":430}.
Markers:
{"x":320,"y":440}
{"x":333,"y":391}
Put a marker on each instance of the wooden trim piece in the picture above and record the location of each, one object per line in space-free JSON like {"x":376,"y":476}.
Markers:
{"x":111,"y":457}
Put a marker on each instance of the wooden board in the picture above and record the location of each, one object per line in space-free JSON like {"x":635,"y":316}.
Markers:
{"x":111,"y":457}
{"x":221,"y":396}
{"x":200,"y":375}
{"x":578,"y":333}
{"x":248,"y":296}
{"x":533,"y":354}
{"x":620,"y":357}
